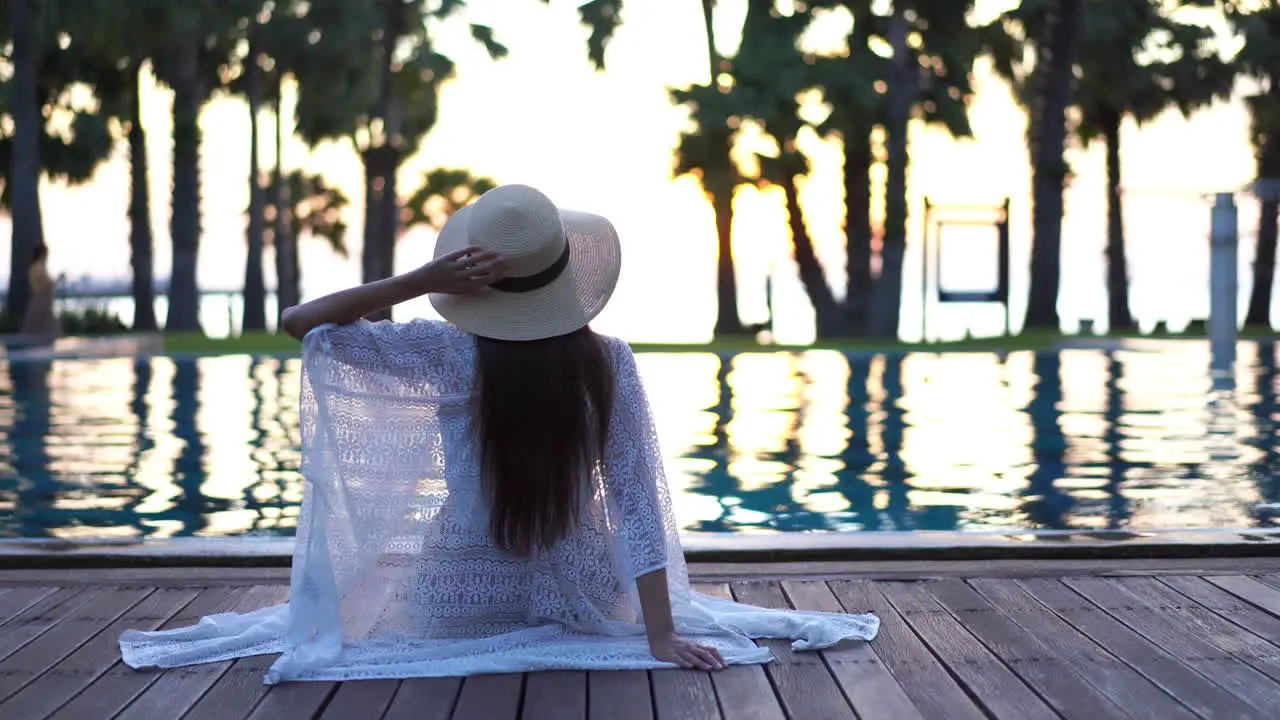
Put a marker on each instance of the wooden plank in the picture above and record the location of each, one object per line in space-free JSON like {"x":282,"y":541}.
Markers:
{"x":931,"y":688}
{"x":619,"y":695}
{"x":177,"y":690}
{"x":1153,"y":661}
{"x":240,"y":688}
{"x":359,"y":699}
{"x":236,"y":691}
{"x":42,"y":653}
{"x":1272,"y":579}
{"x":683,"y":695}
{"x":1226,"y":605}
{"x":1124,"y":685}
{"x":743,"y":691}
{"x":114,"y":690}
{"x":17,"y":599}
{"x":490,"y":697}
{"x":293,"y":700}
{"x":1171,"y":633}
{"x":987,"y":678}
{"x":555,"y":695}
{"x":804,"y":684}
{"x":40,"y":616}
{"x":867,"y":684}
{"x":1250,"y":590}
{"x":94,"y":657}
{"x":1241,"y":640}
{"x":1039,"y":666}
{"x":927,"y":569}
{"x":420,"y":699}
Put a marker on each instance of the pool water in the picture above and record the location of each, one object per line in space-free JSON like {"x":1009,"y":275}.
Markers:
{"x":1132,"y":438}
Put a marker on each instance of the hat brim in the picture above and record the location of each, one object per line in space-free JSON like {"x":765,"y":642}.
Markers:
{"x":565,"y":305}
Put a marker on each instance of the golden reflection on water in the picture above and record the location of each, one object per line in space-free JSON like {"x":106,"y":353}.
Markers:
{"x":755,"y":442}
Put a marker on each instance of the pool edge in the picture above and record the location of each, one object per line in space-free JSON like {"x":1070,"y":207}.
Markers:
{"x":699,"y":548}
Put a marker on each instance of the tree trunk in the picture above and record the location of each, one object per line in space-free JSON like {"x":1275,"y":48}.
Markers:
{"x":255,"y":290}
{"x":887,"y":298}
{"x":728,"y":321}
{"x":857,"y":194}
{"x":1118,"y":316}
{"x":382,"y":159}
{"x":288,"y":290}
{"x":825,"y":310}
{"x":378,"y":254}
{"x":1049,"y":168}
{"x":188,"y":95}
{"x":1264,"y":268}
{"x":24,"y":172}
{"x":141,"y":242}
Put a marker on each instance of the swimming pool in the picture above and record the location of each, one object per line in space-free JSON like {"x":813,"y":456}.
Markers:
{"x":1136,"y":437}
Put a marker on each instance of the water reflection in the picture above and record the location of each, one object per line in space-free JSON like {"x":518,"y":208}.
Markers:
{"x":28,"y":445}
{"x":756,"y":442}
{"x":1044,"y":503}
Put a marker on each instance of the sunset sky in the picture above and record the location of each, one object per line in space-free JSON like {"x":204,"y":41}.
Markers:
{"x":603,"y":142}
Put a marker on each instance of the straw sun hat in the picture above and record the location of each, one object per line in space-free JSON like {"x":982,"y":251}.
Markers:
{"x":561,"y":266}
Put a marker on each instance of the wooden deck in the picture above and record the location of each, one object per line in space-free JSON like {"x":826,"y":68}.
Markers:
{"x":1143,"y":639}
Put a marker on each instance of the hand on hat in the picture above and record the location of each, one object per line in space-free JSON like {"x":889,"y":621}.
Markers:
{"x":463,"y":271}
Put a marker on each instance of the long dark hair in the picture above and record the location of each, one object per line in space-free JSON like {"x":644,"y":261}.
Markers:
{"x":543,"y":411}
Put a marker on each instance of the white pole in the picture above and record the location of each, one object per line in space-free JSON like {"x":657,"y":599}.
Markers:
{"x":1223,"y":283}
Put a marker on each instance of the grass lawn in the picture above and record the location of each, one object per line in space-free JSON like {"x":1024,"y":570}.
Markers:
{"x":264,"y":343}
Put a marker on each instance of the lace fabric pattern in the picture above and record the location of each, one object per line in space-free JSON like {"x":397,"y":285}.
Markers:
{"x":394,"y":573}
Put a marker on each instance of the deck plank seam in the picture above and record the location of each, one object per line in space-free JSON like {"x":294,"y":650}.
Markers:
{"x":158,"y":622}
{"x":826,"y":661}
{"x":1014,"y":666}
{"x":1187,"y":660}
{"x":937,"y":654}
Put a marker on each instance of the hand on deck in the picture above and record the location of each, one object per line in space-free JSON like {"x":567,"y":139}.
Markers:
{"x":686,"y":653}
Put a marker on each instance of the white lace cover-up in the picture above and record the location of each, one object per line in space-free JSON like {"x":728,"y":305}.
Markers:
{"x":394,"y":572}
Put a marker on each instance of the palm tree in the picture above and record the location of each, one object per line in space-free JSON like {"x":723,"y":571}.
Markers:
{"x":1258,"y":23}
{"x":931,"y":81}
{"x":902,"y":88}
{"x":374,"y":78}
{"x":255,"y":289}
{"x":849,"y":85}
{"x":313,"y":209}
{"x":1118,"y":78}
{"x":443,"y":192}
{"x":1037,"y":44}
{"x":769,"y":74}
{"x":187,"y":65}
{"x":284,"y":41}
{"x":116,"y":43}
{"x":242,"y":72}
{"x":704,"y":150}
{"x":38,"y":87}
{"x":864,"y":90}
{"x":283,"y":237}
{"x":1057,"y":51}
{"x":1114,"y":84}
{"x":23,"y":183}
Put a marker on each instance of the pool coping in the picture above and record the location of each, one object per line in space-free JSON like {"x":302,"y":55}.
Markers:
{"x":259,"y":551}
{"x":151,"y":345}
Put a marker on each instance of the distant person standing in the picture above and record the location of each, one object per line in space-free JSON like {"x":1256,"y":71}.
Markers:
{"x":40,"y":320}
